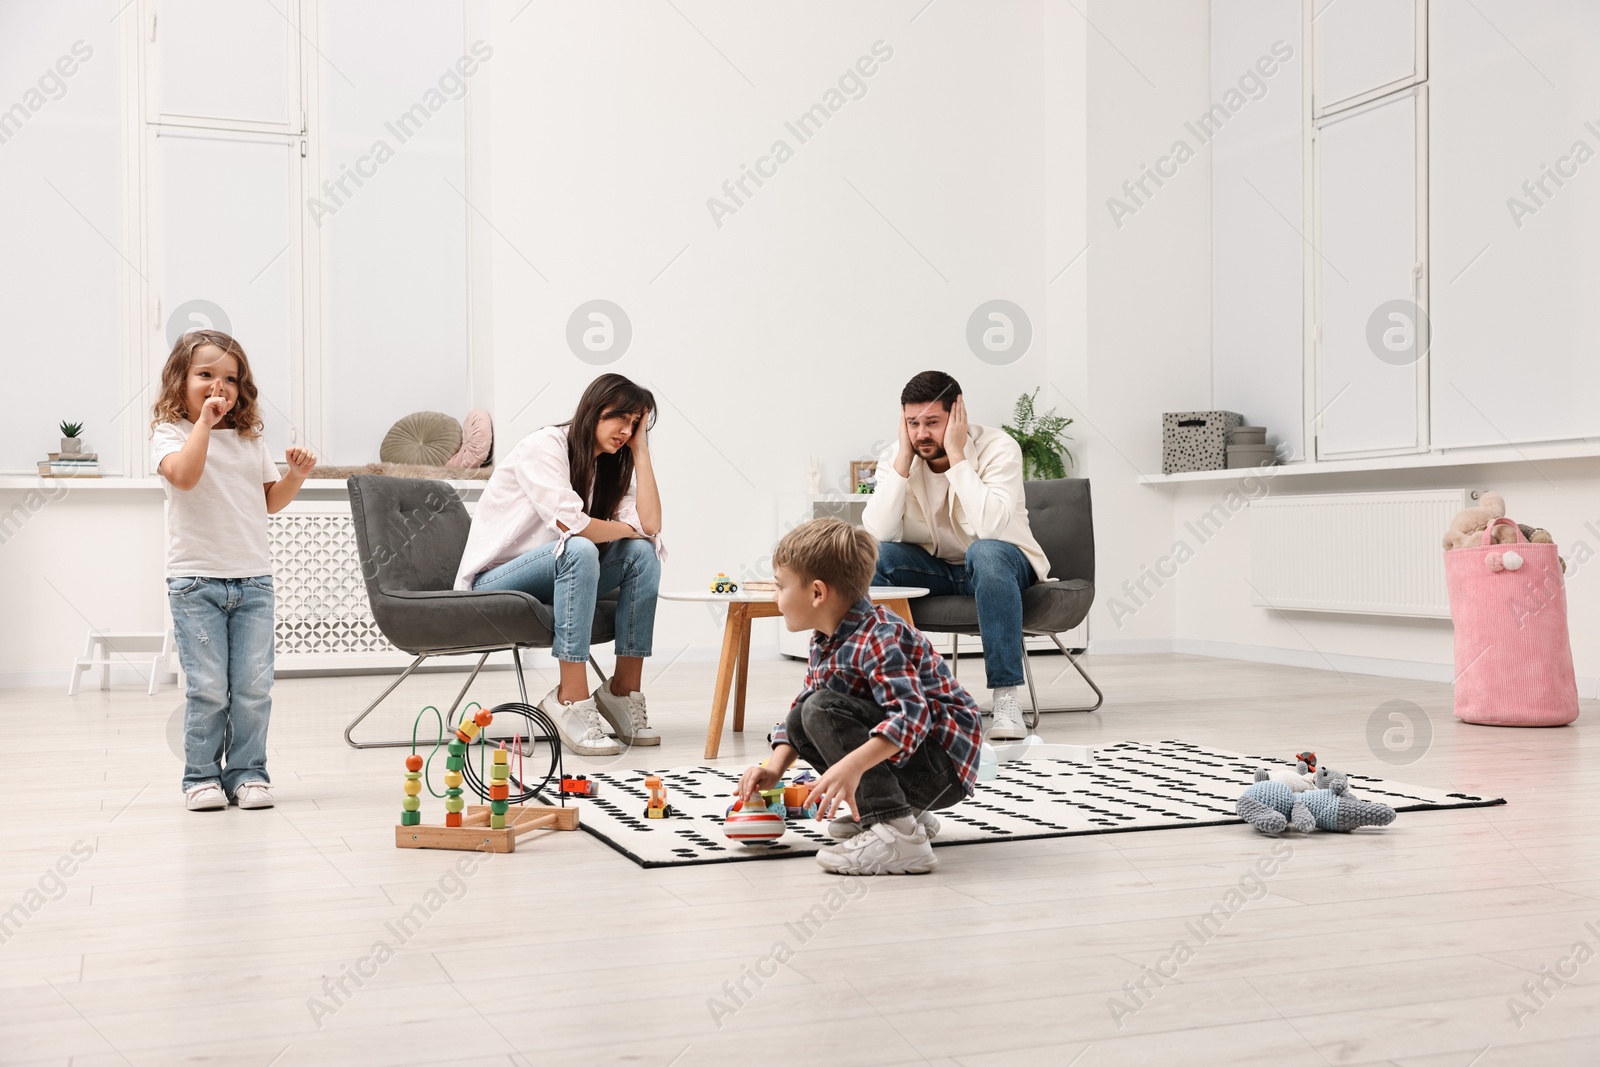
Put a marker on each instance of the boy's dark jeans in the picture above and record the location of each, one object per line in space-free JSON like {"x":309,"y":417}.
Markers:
{"x":828,"y":726}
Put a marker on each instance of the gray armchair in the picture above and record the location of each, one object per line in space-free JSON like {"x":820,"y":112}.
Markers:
{"x":1062,"y":519}
{"x":410,"y":533}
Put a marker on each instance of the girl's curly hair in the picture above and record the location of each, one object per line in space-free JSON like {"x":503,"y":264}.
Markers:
{"x":172,"y":404}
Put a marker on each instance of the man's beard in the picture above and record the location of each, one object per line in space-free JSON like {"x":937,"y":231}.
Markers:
{"x":938,"y":453}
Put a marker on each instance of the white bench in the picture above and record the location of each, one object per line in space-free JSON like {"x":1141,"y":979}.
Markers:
{"x":145,"y":652}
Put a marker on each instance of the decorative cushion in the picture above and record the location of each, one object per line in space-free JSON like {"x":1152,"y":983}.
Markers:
{"x":424,"y":437}
{"x":477,"y":440}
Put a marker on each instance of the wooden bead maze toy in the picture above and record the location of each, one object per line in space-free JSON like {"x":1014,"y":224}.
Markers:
{"x":495,"y":826}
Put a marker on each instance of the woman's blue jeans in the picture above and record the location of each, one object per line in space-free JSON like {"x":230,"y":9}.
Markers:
{"x":995,"y":573}
{"x":224,"y":633}
{"x":572,"y":582}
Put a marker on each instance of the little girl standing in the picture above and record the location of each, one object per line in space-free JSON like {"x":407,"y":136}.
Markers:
{"x":221,"y":484}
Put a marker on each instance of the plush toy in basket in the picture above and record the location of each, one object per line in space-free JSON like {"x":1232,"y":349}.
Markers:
{"x":1508,"y":601}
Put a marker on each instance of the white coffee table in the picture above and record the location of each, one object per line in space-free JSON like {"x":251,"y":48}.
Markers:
{"x":733,"y":669}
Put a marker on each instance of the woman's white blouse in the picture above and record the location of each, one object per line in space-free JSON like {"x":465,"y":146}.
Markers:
{"x":528,"y":493}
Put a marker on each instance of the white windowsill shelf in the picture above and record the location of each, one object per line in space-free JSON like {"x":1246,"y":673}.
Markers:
{"x":1502,"y":454}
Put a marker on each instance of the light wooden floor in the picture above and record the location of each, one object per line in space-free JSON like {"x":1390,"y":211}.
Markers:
{"x":206,"y":938}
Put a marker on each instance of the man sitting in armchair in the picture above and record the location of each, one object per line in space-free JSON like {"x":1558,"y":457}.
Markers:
{"x":949,"y":514}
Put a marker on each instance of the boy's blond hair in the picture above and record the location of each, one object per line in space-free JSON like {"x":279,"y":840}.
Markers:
{"x":841,"y":556}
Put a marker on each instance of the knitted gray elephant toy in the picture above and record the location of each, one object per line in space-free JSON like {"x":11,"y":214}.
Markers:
{"x":1336,"y":809}
{"x":1272,"y":807}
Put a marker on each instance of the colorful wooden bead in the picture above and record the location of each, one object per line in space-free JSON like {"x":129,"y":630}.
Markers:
{"x":454,"y":803}
{"x":500,"y":756}
{"x":410,"y":818}
{"x":414,"y":774}
{"x":499,"y":772}
{"x":484,"y":717}
{"x":413,"y":762}
{"x":411,"y":804}
{"x":452,"y":818}
{"x":498,"y":807}
{"x":456,"y":748}
{"x":467,"y":730}
{"x":500,"y":792}
{"x":413,"y":788}
{"x":497,"y":822}
{"x":454,"y":763}
{"x":452,"y":779}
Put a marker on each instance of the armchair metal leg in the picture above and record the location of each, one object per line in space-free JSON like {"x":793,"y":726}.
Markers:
{"x":1099,"y":697}
{"x":955,"y":656}
{"x":448,"y":715}
{"x":596,"y":665}
{"x":1033,"y":694}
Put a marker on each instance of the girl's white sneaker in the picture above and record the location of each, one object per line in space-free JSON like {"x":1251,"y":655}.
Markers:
{"x":207,"y":796}
{"x":253,"y":795}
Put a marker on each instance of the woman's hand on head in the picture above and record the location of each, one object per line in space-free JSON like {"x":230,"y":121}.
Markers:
{"x":637,"y":442}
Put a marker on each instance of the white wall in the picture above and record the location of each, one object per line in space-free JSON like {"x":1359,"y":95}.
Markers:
{"x":1149,"y":298}
{"x":788,"y":330}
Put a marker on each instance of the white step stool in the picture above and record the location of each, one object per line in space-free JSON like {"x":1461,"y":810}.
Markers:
{"x":146,"y":651}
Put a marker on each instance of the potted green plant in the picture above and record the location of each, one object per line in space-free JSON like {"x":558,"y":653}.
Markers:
{"x":1041,"y":439}
{"x":71,"y":444}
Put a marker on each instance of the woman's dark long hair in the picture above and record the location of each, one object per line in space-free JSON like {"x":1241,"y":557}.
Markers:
{"x":609,"y":473}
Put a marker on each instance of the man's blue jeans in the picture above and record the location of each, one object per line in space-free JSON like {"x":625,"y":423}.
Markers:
{"x":224,"y":633}
{"x":995,"y":572}
{"x":572,"y":582}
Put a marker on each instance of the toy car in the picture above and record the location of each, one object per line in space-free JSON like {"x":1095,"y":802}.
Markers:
{"x":657,"y":807}
{"x":723,"y":584}
{"x":579,"y":785}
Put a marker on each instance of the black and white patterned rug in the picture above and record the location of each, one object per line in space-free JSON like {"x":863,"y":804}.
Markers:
{"x":1129,"y":786}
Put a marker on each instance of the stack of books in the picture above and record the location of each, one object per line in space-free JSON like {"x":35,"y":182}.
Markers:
{"x":70,"y":465}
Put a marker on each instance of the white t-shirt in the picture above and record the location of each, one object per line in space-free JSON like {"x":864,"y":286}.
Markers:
{"x":218,"y":529}
{"x":949,"y":544}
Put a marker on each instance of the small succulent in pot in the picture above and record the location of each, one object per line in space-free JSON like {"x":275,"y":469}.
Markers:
{"x":71,"y":444}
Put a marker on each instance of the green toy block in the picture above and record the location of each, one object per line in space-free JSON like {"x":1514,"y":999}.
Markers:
{"x":497,"y":822}
{"x":410,"y":818}
{"x":454,"y":763}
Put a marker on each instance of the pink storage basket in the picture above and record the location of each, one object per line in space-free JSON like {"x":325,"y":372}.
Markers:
{"x":1513,"y":654}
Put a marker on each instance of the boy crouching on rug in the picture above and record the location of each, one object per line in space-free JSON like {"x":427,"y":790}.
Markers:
{"x":891,"y":732}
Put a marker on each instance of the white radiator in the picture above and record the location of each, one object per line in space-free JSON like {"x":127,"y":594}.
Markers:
{"x":323,"y":620}
{"x":1373,"y":553}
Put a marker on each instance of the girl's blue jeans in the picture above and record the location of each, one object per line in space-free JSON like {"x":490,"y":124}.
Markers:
{"x":572,"y":582}
{"x":224,"y":633}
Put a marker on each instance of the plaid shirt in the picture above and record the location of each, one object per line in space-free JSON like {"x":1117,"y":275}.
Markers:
{"x":877,"y":656}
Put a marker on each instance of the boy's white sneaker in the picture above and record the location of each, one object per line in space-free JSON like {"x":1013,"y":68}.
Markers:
{"x":881,"y":849}
{"x":207,"y":796}
{"x":253,"y":795}
{"x":1007,"y":724}
{"x":579,"y":726}
{"x":628,"y":716}
{"x":844,"y":829}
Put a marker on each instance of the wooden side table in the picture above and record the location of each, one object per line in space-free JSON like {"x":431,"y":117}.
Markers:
{"x":733,"y":668}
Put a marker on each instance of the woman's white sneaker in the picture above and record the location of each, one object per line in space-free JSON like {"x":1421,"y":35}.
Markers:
{"x":628,"y":716}
{"x":580,"y":726}
{"x":253,"y":795}
{"x":881,"y":849}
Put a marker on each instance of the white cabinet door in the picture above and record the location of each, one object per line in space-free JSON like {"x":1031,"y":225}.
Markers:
{"x":1368,"y":261}
{"x":1366,"y":47}
{"x":227,"y":236}
{"x":227,"y":61}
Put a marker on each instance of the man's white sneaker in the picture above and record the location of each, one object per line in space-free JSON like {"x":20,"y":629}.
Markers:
{"x":881,"y":849}
{"x":207,"y":796}
{"x":579,"y":726}
{"x":1007,"y":724}
{"x":844,"y":829}
{"x":253,"y":795}
{"x":629,"y":718}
